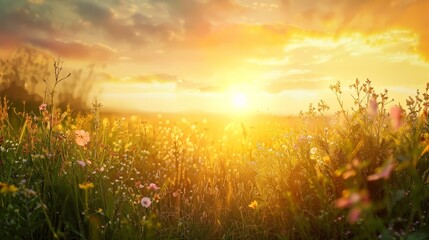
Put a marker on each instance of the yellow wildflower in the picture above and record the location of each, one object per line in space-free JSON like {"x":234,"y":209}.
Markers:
{"x":253,"y":204}
{"x":86,"y":185}
{"x":7,"y":188}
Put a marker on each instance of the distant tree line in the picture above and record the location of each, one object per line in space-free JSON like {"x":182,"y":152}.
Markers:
{"x":24,"y":75}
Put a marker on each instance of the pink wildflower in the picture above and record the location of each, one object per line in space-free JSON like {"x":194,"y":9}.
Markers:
{"x":43,"y":106}
{"x":383,"y":172}
{"x":82,"y":137}
{"x":354,"y":214}
{"x":176,"y":193}
{"x":348,"y":200}
{"x":145,"y":202}
{"x":138,"y":184}
{"x":152,"y":186}
{"x":396,"y":117}
{"x":356,"y":201}
{"x":81,"y":163}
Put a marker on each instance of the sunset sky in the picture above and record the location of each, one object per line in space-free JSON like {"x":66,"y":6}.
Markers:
{"x":270,"y":56}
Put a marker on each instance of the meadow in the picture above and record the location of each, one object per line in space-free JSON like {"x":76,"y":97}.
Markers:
{"x":361,"y":173}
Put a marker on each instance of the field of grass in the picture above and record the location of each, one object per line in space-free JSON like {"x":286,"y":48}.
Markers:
{"x":361,"y":173}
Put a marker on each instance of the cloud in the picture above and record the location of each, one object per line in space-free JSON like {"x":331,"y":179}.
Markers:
{"x":21,"y":21}
{"x":76,"y":49}
{"x":250,"y":36}
{"x":94,"y":13}
{"x":364,"y":16}
{"x":211,"y":89}
{"x":159,"y":80}
{"x":291,"y":79}
{"x":281,"y":85}
{"x":27,"y":22}
{"x":155,"y":78}
{"x":199,"y":17}
{"x":36,"y":2}
{"x":132,"y":27}
{"x":205,"y":24}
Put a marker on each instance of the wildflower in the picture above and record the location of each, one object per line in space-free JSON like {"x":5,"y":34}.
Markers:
{"x":354,"y":214}
{"x":326,"y":159}
{"x":100,"y":211}
{"x":356,"y":201}
{"x":156,"y":197}
{"x":82,"y":137}
{"x":138,"y":184}
{"x":253,"y":204}
{"x":348,"y":199}
{"x":7,"y":188}
{"x":43,"y":106}
{"x":396,"y":117}
{"x":176,"y":193}
{"x":86,"y":185}
{"x":145,"y":202}
{"x":29,"y":193}
{"x":152,"y":186}
{"x":349,"y":170}
{"x":81,"y":163}
{"x":349,"y":173}
{"x":383,"y":172}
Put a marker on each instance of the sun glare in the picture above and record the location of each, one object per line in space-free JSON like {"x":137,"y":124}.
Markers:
{"x":239,"y":100}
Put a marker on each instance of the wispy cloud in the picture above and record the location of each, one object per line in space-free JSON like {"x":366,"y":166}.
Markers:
{"x":76,"y":49}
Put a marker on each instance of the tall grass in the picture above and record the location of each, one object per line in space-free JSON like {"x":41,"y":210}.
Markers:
{"x":361,"y":173}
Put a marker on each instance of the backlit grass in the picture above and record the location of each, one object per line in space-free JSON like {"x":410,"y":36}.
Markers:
{"x":360,"y":173}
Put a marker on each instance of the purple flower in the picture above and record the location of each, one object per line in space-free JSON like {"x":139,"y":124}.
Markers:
{"x":145,"y":202}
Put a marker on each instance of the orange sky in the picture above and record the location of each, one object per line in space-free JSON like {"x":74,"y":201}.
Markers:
{"x":179,"y":55}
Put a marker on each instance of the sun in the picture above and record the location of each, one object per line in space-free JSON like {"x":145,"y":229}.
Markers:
{"x":239,"y":100}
